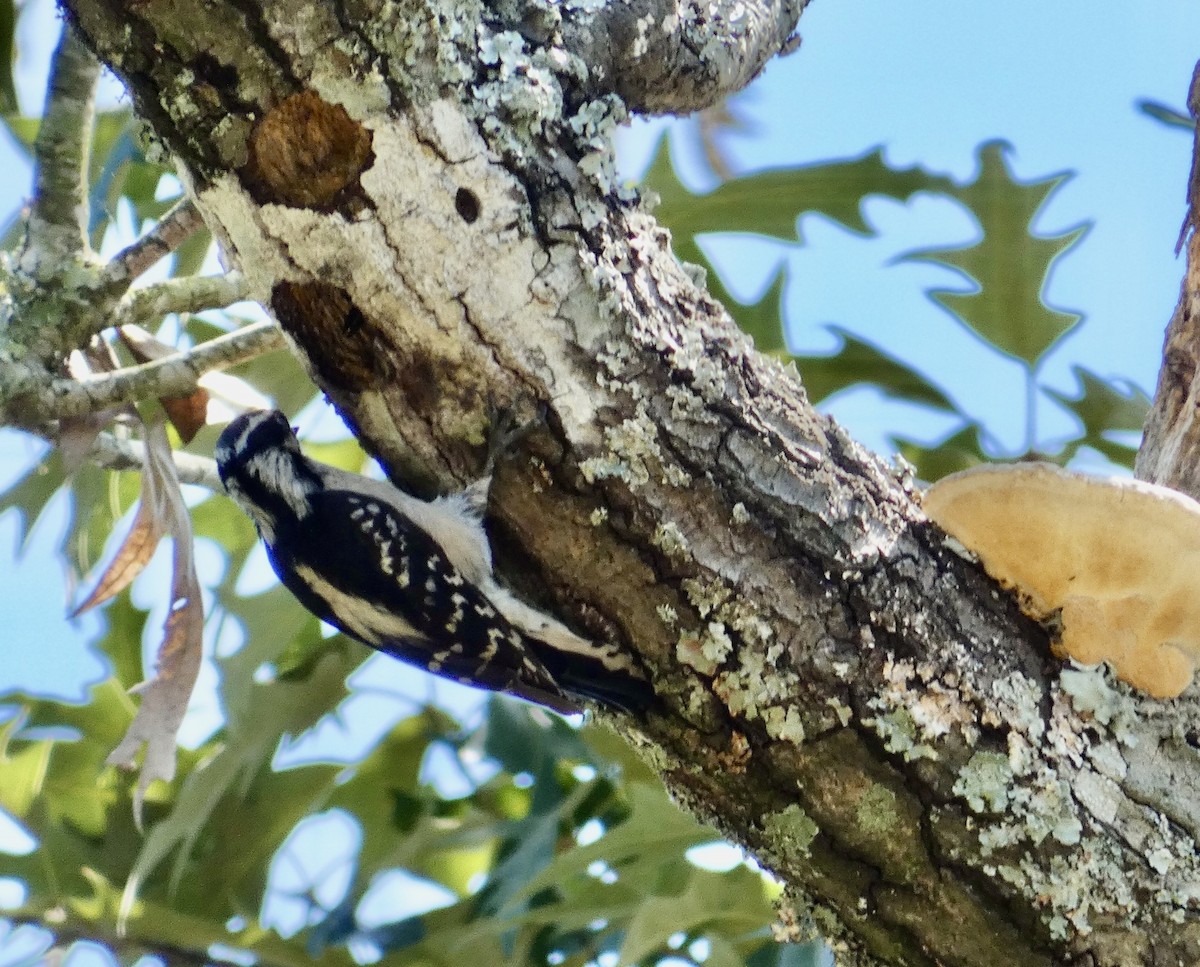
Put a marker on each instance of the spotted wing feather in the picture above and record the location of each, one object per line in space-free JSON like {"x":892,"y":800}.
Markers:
{"x":383,"y":582}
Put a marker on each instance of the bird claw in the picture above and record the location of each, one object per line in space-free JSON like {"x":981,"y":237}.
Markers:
{"x":506,"y":431}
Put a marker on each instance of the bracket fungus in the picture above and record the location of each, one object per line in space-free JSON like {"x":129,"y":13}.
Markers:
{"x":1117,"y":559}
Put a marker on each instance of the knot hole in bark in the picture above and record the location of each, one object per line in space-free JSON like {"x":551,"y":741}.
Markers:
{"x":466,"y":203}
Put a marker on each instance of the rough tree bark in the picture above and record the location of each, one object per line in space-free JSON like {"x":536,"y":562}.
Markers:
{"x":423,"y":195}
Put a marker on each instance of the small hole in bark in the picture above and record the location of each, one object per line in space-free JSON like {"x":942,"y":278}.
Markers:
{"x":467,"y":205}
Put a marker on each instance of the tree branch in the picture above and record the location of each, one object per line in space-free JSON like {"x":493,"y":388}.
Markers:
{"x":172,"y":230}
{"x":193,"y":293}
{"x":673,"y":57}
{"x":173,"y":376}
{"x":113,"y":453}
{"x":1170,"y":450}
{"x":58,"y":221}
{"x":434,"y":216}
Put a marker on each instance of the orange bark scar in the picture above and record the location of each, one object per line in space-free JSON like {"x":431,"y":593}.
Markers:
{"x":306,"y":153}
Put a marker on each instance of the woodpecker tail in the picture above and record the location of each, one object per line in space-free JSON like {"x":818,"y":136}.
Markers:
{"x":599,"y":673}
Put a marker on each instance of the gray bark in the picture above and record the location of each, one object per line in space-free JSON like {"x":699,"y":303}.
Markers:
{"x":1170,"y":451}
{"x":427,"y":204}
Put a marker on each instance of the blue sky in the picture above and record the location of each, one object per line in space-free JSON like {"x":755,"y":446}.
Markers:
{"x":930,"y":81}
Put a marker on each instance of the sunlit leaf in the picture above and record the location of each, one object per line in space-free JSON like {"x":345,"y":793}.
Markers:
{"x":1009,"y":266}
{"x":238,"y":786}
{"x":31,"y":493}
{"x":1172,"y":117}
{"x":959,"y":451}
{"x":1105,"y":408}
{"x":769,"y":202}
{"x":858,"y":362}
{"x":706,"y":899}
{"x":763,"y":320}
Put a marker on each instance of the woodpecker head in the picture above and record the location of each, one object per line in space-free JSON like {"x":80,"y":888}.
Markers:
{"x":263,"y":470}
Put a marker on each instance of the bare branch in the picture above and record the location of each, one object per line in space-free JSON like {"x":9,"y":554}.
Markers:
{"x":58,"y":220}
{"x":172,"y":230}
{"x":667,"y":57}
{"x":116,"y":454}
{"x":174,"y":375}
{"x":191,"y":294}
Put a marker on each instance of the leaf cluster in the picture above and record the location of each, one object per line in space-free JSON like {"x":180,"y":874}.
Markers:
{"x":1003,"y":276}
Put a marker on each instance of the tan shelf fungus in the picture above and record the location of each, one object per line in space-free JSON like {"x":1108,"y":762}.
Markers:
{"x":1118,"y":558}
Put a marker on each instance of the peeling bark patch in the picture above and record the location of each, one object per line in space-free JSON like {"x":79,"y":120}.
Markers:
{"x":306,"y":153}
{"x":320,"y":315}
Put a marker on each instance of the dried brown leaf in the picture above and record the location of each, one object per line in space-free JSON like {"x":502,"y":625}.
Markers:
{"x":188,"y":414}
{"x":165,"y":697}
{"x":138,"y":547}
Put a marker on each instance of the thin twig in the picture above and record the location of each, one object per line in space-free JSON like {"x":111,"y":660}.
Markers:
{"x":58,"y":219}
{"x":174,"y":375}
{"x":116,"y":454}
{"x":193,"y":293}
{"x":172,"y":230}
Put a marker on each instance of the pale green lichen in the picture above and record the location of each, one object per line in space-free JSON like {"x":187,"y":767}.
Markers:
{"x":754,"y":685}
{"x":999,"y":836}
{"x":1161,"y":860}
{"x":985,"y":782}
{"x":670,"y":540}
{"x":1074,"y":886}
{"x":740,"y":515}
{"x":706,"y":596}
{"x":598,"y":516}
{"x":784,"y":724}
{"x":631,"y":448}
{"x":843,"y":711}
{"x":716,"y":645}
{"x":931,"y":707}
{"x":1048,"y":809}
{"x":1092,"y":696}
{"x":899,"y":734}
{"x":667,"y":615}
{"x":595,"y":123}
{"x":522,"y":98}
{"x":689,"y":651}
{"x":875,"y":812}
{"x":1017,"y":699}
{"x":791,"y":831}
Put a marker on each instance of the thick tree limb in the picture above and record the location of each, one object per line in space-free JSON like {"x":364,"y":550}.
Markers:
{"x":678,"y":56}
